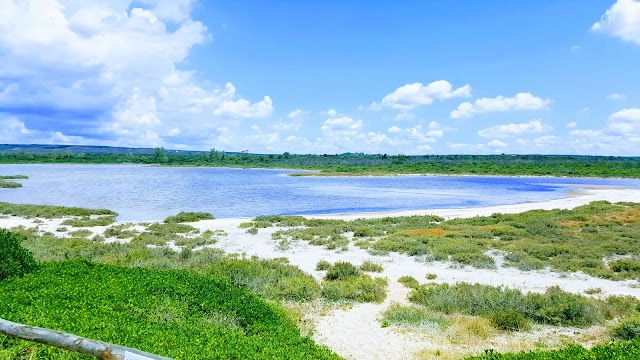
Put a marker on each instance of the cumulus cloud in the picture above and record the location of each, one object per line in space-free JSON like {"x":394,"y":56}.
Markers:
{"x":410,"y":96}
{"x":572,"y":125}
{"x":111,"y":70}
{"x":341,"y":127}
{"x":520,"y":102}
{"x":621,"y":20}
{"x":293,"y":122}
{"x":514,"y":130}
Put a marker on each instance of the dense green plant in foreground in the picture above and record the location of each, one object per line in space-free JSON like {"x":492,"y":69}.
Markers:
{"x":619,"y":350}
{"x":171,"y":313}
{"x":49,"y":211}
{"x":183,"y":217}
{"x":14,"y":259}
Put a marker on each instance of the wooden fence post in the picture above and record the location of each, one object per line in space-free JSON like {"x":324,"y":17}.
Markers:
{"x":99,"y":349}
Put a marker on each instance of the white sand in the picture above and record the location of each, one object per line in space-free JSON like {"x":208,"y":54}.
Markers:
{"x":356,"y":333}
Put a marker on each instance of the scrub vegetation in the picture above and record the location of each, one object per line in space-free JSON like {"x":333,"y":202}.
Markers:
{"x":48,"y":211}
{"x":619,"y":350}
{"x":599,"y":239}
{"x":183,"y":217}
{"x":343,"y":164}
{"x":6,"y":183}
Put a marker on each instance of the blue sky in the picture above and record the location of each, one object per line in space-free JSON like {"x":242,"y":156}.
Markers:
{"x":419,"y":77}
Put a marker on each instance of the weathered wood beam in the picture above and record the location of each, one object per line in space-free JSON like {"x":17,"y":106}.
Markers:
{"x":70,"y":342}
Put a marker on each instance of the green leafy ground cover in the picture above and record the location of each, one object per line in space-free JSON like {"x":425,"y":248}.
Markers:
{"x":172,"y":313}
{"x":599,"y":239}
{"x":619,"y":350}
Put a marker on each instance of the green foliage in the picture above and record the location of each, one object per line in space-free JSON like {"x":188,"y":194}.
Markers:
{"x":619,"y":350}
{"x":323,"y":265}
{"x":183,"y":217}
{"x":82,"y":233}
{"x":86,"y":221}
{"x":408,"y":281}
{"x":342,"y":270}
{"x":554,"y":307}
{"x":9,"y":184}
{"x":510,"y":320}
{"x":14,"y":259}
{"x":273,"y":279}
{"x":169,"y":313}
{"x":362,"y":288}
{"x":413,"y":316}
{"x":431,"y":276}
{"x":344,"y":164}
{"x":49,"y":212}
{"x":120,"y":231}
{"x":627,"y":329}
{"x":371,"y":266}
{"x":252,"y":230}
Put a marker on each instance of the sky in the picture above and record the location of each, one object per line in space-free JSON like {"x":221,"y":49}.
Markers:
{"x":324,"y":76}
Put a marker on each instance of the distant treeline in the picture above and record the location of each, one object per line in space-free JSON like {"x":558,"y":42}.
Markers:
{"x":359,"y":164}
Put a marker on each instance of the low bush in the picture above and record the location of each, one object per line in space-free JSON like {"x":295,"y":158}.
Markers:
{"x":554,"y":307}
{"x":82,"y":233}
{"x":323,"y":265}
{"x":408,"y":281}
{"x":431,"y":276}
{"x":510,"y":320}
{"x":342,"y":270}
{"x":371,"y":266}
{"x":183,"y":217}
{"x":362,"y":288}
{"x":15,"y":260}
{"x":627,"y":329}
{"x":87,"y":221}
{"x":49,"y":212}
{"x":413,"y":316}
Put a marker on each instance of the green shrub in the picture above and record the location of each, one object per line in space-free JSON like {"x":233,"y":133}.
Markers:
{"x":408,"y":281}
{"x":371,"y":266}
{"x":627,"y":329}
{"x":415,"y":316}
{"x":431,"y":276}
{"x":625,"y":265}
{"x":510,"y":320}
{"x":183,"y":217}
{"x":15,"y":261}
{"x":49,"y":212}
{"x":362,"y":288}
{"x":86,"y":221}
{"x":323,"y":265}
{"x":554,"y":307}
{"x":82,"y":233}
{"x":252,"y":231}
{"x":342,"y":270}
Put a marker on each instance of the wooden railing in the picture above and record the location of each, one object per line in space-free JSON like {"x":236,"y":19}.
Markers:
{"x":70,"y":342}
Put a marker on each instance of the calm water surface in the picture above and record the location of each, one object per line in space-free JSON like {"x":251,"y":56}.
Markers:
{"x":153,"y":193}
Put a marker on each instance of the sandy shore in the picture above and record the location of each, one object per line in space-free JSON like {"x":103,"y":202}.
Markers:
{"x":356,"y":333}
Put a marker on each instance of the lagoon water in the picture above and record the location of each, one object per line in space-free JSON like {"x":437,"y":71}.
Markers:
{"x":152,"y":193}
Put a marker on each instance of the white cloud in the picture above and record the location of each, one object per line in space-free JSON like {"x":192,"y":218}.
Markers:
{"x":616,"y":96}
{"x":572,"y":125}
{"x":497,"y":144}
{"x":621,"y":20}
{"x":520,"y":102}
{"x":294,"y":121}
{"x":115,"y":64}
{"x":341,"y":127}
{"x":513,"y":130}
{"x":626,"y":115}
{"x":410,"y":96}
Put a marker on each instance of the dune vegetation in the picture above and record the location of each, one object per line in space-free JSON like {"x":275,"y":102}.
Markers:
{"x":6,"y":183}
{"x":599,"y":239}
